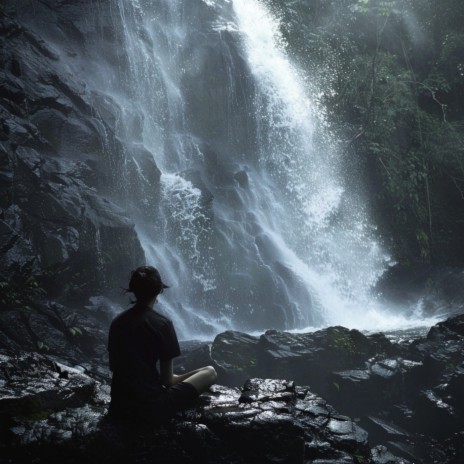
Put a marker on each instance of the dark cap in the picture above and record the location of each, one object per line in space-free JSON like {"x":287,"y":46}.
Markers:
{"x":145,"y":283}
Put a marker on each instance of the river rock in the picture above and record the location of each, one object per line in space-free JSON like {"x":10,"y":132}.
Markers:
{"x":407,"y":408}
{"x":234,"y":355}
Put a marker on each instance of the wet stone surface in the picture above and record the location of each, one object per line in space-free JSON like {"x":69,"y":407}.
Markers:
{"x":54,"y":413}
{"x":411,"y":403}
{"x":409,"y":396}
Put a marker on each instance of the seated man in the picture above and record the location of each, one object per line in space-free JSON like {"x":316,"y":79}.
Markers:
{"x":139,"y":338}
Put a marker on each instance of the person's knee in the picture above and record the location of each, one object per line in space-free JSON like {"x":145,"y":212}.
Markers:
{"x":203,"y":379}
{"x":212,"y":374}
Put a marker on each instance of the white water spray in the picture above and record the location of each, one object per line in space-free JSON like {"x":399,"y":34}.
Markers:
{"x":326,"y":239}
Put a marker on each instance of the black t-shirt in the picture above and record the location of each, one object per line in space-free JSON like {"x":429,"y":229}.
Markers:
{"x":138,"y":338}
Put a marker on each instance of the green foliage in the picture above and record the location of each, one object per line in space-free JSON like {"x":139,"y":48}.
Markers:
{"x":42,"y":346}
{"x":75,"y":331}
{"x":14,"y":295}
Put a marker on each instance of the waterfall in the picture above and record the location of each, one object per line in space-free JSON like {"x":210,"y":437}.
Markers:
{"x":328,"y":241}
{"x":231,"y":175}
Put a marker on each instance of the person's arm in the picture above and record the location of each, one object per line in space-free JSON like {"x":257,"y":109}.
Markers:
{"x":166,"y":373}
{"x":168,"y":377}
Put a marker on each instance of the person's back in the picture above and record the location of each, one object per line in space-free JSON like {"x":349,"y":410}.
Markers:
{"x":139,"y":338}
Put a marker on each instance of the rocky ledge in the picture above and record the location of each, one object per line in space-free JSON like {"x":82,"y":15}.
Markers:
{"x":54,"y":413}
{"x":406,"y":394}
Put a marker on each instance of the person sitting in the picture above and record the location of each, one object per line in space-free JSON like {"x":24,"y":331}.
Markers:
{"x":139,"y":338}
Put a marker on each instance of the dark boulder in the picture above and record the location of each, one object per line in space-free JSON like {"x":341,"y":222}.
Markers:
{"x":234,"y":354}
{"x":308,"y":358}
{"x":440,"y":289}
{"x":415,"y":412}
{"x":451,"y":329}
{"x":366,"y":391}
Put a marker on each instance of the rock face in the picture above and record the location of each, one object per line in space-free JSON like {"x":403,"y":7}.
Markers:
{"x":62,"y":233}
{"x":440,"y":289}
{"x":79,"y":336}
{"x":54,"y":413}
{"x":89,"y":97}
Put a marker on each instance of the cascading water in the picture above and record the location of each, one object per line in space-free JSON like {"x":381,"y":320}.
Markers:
{"x":324,"y":224}
{"x":251,"y":223}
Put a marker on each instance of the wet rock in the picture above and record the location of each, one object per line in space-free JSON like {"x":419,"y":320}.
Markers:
{"x":455,"y":450}
{"x":438,"y":288}
{"x":409,"y":394}
{"x":17,"y":252}
{"x":144,"y":177}
{"x":32,"y":387}
{"x":414,"y":410}
{"x":14,"y":331}
{"x":60,"y":173}
{"x":102,"y":309}
{"x":451,"y":329}
{"x":194,"y":354}
{"x":381,"y":455}
{"x":55,"y":330}
{"x":308,"y":358}
{"x":391,"y":429}
{"x":366,"y":391}
{"x":234,"y":353}
{"x":435,"y":416}
{"x":55,"y":413}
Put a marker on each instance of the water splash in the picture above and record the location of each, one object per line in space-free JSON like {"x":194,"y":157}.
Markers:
{"x":186,"y":218}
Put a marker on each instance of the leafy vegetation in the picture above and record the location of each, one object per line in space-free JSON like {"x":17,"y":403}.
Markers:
{"x":20,"y":294}
{"x":75,"y":331}
{"x":392,"y":77}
